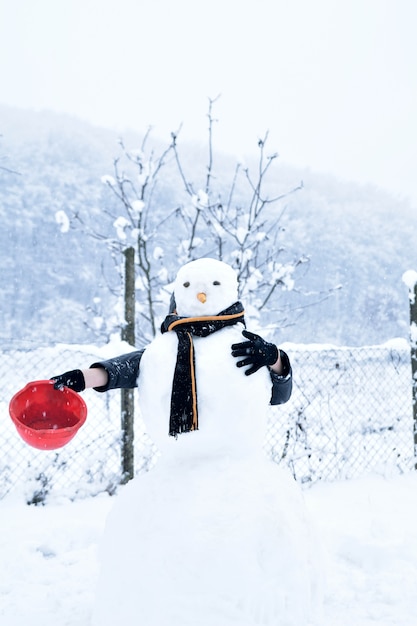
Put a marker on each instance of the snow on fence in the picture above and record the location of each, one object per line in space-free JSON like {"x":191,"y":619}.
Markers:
{"x":350,"y":413}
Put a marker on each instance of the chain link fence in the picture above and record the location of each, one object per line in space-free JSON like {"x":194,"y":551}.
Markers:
{"x":87,"y":465}
{"x":350,"y":413}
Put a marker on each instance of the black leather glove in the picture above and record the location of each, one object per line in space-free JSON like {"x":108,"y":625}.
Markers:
{"x":73,"y":379}
{"x":257,"y":352}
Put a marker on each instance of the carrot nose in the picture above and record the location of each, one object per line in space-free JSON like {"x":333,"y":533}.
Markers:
{"x":202,"y":297}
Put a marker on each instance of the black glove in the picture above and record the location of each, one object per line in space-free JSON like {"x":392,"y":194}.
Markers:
{"x":257,"y":352}
{"x":73,"y":379}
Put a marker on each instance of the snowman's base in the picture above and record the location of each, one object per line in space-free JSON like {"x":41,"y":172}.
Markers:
{"x":219,"y":544}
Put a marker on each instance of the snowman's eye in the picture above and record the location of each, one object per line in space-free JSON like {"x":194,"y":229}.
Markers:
{"x":216,"y":282}
{"x":187,"y":284}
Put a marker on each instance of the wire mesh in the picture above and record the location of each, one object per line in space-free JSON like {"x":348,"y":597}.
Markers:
{"x":350,"y":413}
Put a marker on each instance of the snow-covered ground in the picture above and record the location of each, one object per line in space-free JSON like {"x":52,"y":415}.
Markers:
{"x":49,"y":554}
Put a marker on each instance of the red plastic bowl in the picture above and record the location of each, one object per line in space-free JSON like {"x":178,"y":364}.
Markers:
{"x":47,"y":418}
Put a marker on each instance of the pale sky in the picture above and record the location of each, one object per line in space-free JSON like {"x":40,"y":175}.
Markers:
{"x":334,"y":83}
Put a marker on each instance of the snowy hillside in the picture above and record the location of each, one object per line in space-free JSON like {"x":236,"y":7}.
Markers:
{"x":356,"y":237}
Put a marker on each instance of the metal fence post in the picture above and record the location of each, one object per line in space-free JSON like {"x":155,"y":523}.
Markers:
{"x":127,"y":395}
{"x":410,"y":279}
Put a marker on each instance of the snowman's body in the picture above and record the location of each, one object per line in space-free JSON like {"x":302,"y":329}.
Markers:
{"x":232,"y":407}
{"x":215,"y":534}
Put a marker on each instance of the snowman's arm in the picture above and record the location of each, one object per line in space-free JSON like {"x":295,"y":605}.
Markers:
{"x":122,"y":371}
{"x":281,"y":383}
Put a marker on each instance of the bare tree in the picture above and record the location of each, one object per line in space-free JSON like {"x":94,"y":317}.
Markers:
{"x":245,"y":230}
{"x":140,"y":220}
{"x":171,"y":220}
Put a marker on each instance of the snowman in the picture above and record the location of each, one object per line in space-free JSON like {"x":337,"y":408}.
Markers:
{"x":215,"y":534}
{"x":189,"y":371}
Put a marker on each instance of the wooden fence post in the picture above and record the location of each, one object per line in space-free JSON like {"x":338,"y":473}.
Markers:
{"x":410,"y":279}
{"x":127,"y":395}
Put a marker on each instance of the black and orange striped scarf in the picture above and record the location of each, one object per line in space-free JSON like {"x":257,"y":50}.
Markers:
{"x":184,"y":410}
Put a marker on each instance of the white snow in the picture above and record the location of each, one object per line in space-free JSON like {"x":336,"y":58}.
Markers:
{"x":137,"y":208}
{"x":200,"y":199}
{"x":108,"y":180}
{"x":49,"y":566}
{"x":63,"y":221}
{"x":158,"y":253}
{"x":215,"y":533}
{"x":410,"y":280}
{"x":121,"y":224}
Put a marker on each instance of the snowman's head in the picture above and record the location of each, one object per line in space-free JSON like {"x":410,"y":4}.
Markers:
{"x":205,"y":287}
